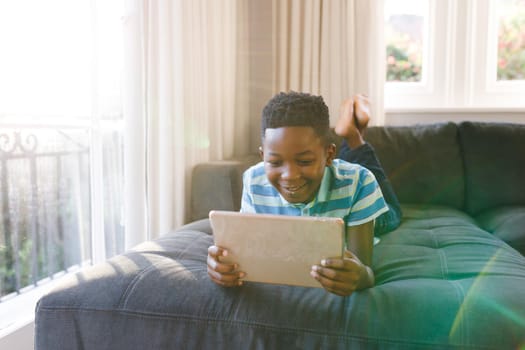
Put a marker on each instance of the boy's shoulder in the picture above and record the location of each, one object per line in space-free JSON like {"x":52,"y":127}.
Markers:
{"x":255,"y":168}
{"x":255,"y":173}
{"x":343,"y":169}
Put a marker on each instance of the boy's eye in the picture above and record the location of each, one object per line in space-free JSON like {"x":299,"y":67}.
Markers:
{"x":305,"y":162}
{"x":274,"y":163}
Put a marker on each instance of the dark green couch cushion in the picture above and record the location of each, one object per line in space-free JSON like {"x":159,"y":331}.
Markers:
{"x":494,"y":156}
{"x":423,"y":162}
{"x":506,"y":223}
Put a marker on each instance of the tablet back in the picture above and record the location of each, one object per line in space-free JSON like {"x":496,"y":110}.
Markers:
{"x":277,"y":248}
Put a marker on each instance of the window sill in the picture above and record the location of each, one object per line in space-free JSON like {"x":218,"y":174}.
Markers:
{"x":18,"y":311}
{"x":454,"y":110}
{"x":410,"y":116}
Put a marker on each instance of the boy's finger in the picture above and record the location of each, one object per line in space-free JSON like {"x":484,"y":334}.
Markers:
{"x":213,"y":250}
{"x":226,"y":280}
{"x":212,"y":263}
{"x":349,"y":254}
{"x":217,"y":251}
{"x":346,"y":273}
{"x":335,"y":263}
{"x":340,"y":263}
{"x":216,"y":265}
{"x":323,"y":272}
{"x":334,"y":286}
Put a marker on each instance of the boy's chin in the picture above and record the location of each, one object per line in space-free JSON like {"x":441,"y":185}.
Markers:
{"x":295,"y":198}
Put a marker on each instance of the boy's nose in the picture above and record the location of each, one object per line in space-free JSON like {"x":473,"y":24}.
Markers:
{"x":290,"y":172}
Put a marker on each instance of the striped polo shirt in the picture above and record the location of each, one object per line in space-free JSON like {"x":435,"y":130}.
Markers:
{"x":348,"y":191}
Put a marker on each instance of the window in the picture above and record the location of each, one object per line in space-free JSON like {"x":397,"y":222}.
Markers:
{"x":61,"y":141}
{"x":406,"y":38}
{"x":511,"y":40}
{"x":472,"y":54}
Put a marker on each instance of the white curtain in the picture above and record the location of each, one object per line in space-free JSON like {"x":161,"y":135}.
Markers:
{"x":331,"y":48}
{"x":187,"y":90}
{"x":186,"y":102}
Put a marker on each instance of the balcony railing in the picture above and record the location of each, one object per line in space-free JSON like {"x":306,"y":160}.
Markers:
{"x":45,"y":203}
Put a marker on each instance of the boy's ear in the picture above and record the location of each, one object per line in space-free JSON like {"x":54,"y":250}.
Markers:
{"x":261,"y":152}
{"x":330,"y":153}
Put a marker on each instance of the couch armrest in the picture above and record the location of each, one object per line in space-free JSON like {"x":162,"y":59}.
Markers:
{"x":217,"y":185}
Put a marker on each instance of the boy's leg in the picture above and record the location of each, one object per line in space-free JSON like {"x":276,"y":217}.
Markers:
{"x":352,"y":124}
{"x":365,"y":156}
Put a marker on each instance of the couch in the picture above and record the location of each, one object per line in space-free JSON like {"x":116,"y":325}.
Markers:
{"x":452,"y":276}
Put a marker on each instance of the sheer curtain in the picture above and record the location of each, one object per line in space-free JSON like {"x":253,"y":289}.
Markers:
{"x":187,"y":90}
{"x":332,"y":48}
{"x":186,"y":102}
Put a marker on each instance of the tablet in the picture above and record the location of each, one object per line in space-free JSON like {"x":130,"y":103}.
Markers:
{"x":277,"y":249}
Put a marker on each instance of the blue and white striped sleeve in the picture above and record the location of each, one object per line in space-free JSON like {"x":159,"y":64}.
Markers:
{"x":368,"y":201}
{"x":247,"y":205}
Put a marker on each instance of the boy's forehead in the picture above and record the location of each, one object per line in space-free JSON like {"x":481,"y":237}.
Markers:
{"x":290,"y":136}
{"x":299,"y":131}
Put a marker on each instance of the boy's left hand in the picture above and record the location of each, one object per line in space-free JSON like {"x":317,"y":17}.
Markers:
{"x":343,"y":276}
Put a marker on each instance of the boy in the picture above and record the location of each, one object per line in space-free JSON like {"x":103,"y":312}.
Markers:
{"x":299,"y":176}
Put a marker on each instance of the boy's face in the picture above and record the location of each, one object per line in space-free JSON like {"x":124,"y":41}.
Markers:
{"x":294,"y":161}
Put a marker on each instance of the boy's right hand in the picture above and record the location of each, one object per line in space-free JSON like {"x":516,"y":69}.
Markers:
{"x":222,"y":273}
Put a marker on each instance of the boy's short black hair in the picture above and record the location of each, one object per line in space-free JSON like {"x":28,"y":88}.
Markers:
{"x":296,"y":109}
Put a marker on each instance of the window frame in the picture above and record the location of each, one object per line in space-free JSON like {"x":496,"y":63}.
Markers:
{"x":460,"y":56}
{"x":97,"y":120}
{"x":24,"y":301}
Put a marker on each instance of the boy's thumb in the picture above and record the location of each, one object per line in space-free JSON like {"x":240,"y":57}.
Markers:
{"x":349,"y":254}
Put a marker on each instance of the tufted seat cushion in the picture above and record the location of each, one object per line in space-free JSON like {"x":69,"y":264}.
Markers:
{"x":441,"y":282}
{"x":506,"y":223}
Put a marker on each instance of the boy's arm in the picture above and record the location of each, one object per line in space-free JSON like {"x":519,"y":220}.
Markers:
{"x":343,"y":276}
{"x":360,"y":241}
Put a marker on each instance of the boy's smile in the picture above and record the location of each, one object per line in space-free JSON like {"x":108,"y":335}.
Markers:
{"x":295,"y":158}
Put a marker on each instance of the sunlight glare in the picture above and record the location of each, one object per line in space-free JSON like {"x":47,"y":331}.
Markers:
{"x":49,"y":63}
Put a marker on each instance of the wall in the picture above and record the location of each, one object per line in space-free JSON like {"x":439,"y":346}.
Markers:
{"x":19,"y":339}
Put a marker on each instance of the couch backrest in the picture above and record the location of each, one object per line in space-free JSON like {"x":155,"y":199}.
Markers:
{"x":494,"y":156}
{"x":423,"y":162}
{"x":469,"y":166}
{"x":218,"y":185}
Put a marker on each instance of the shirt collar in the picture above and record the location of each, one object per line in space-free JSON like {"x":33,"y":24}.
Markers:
{"x":324,"y":189}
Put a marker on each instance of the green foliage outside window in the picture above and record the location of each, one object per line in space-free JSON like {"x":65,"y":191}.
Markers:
{"x":511,"y":44}
{"x":400,"y":67}
{"x":7,"y":271}
{"x":404,"y":47}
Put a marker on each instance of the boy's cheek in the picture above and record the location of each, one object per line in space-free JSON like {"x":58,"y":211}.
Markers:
{"x":271,"y":175}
